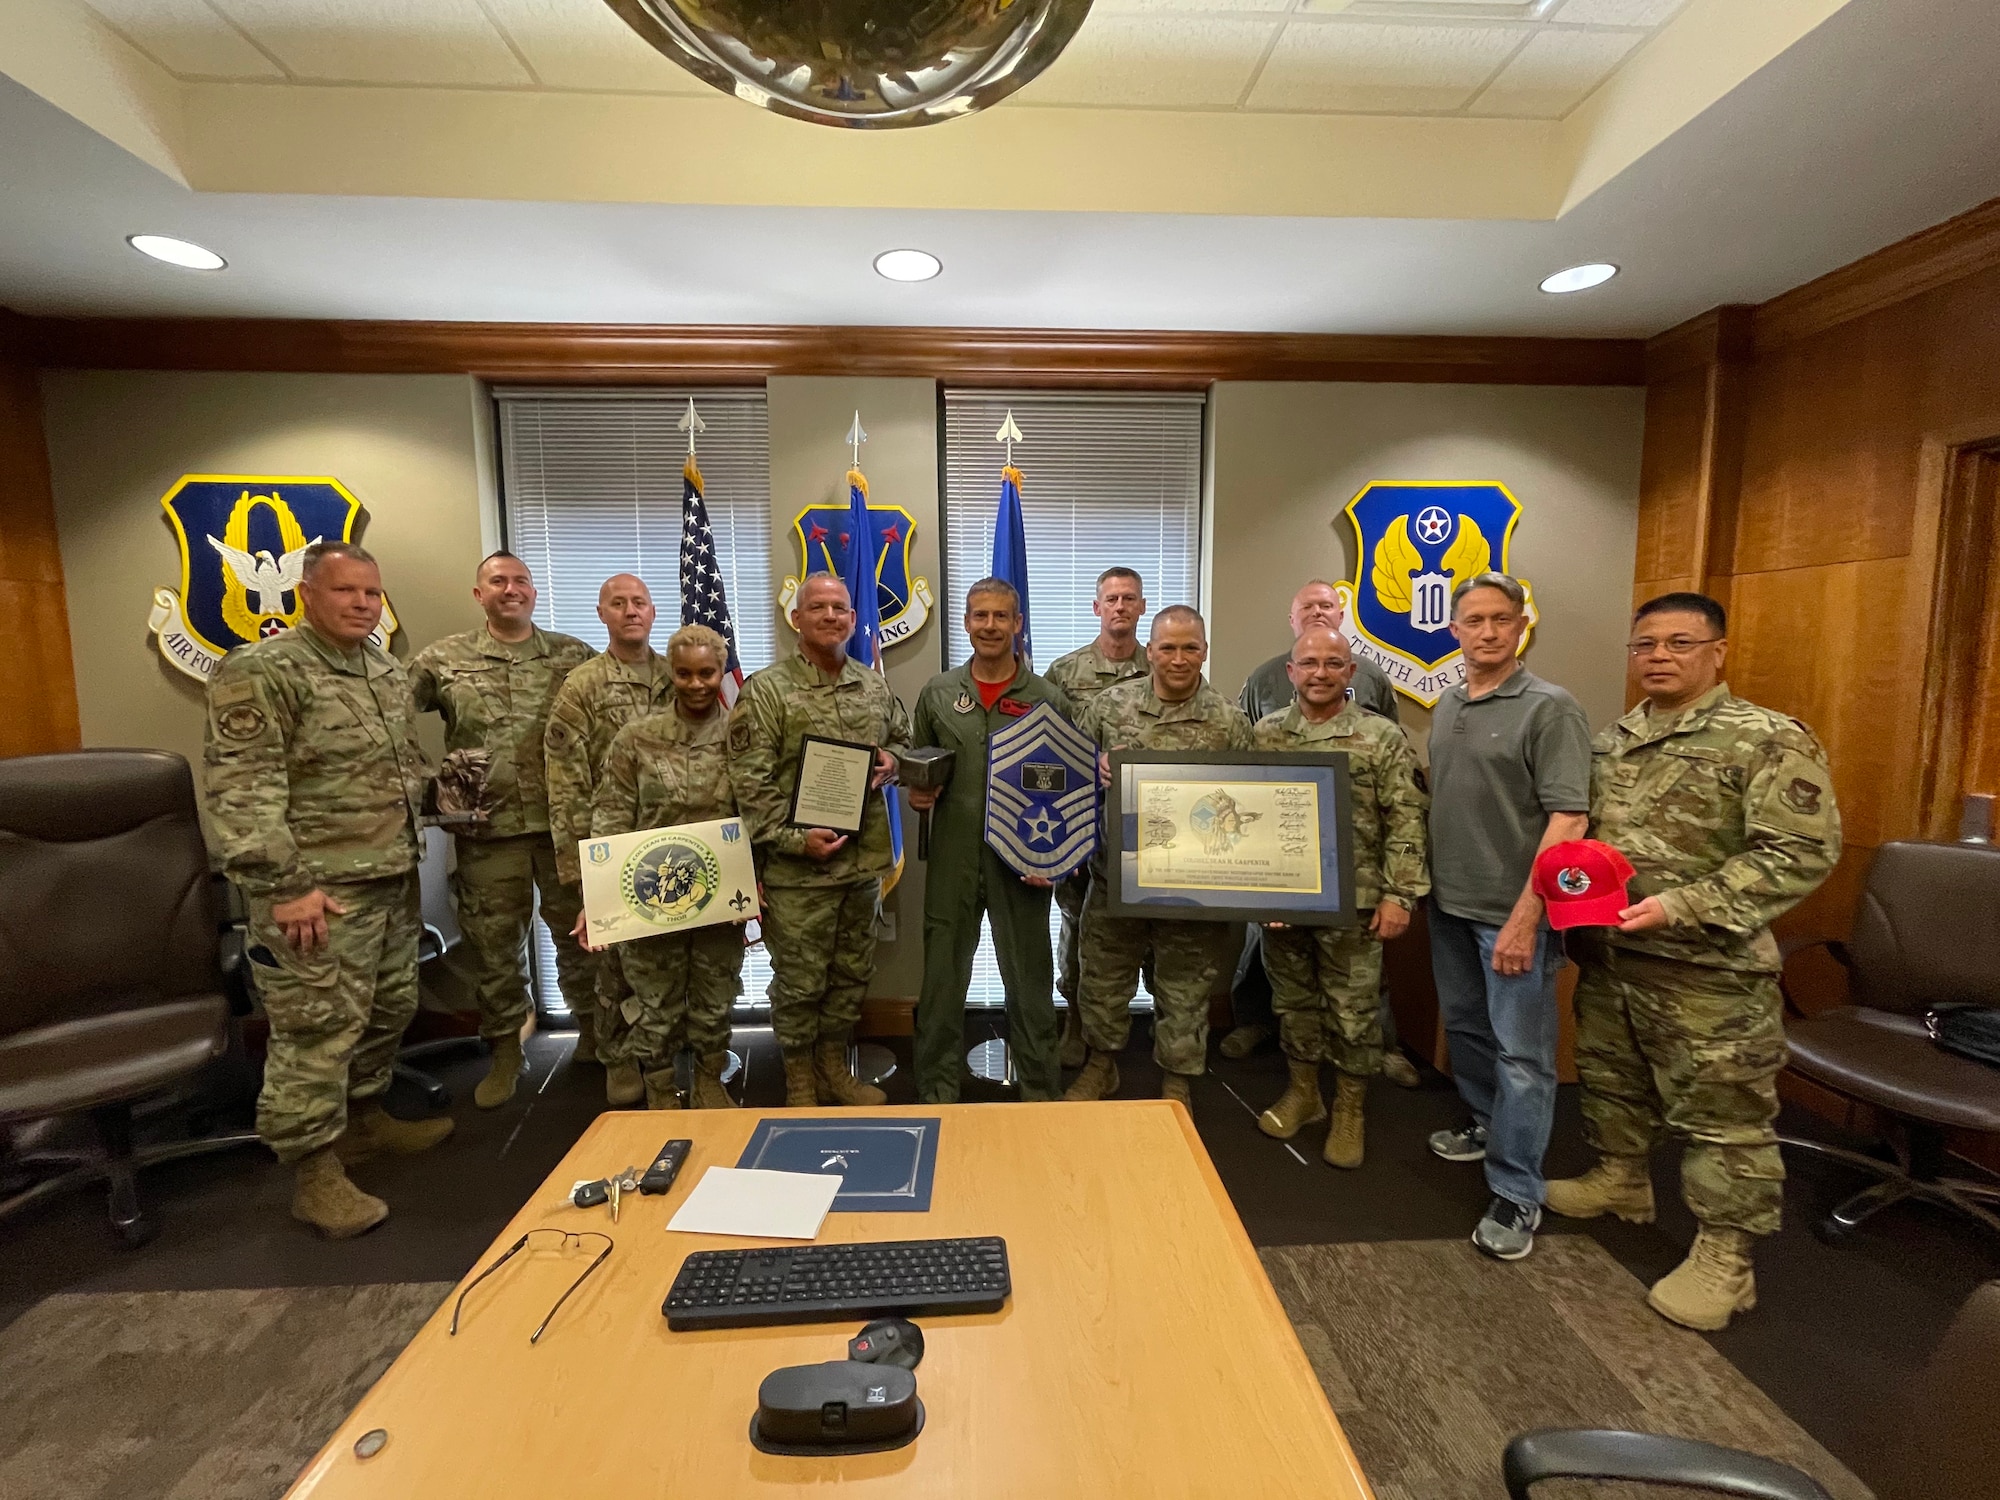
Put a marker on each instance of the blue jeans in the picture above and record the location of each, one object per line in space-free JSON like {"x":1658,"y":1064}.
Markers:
{"x":1502,"y":1032}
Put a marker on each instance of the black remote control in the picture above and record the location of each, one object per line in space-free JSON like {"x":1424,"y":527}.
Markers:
{"x":665,"y":1168}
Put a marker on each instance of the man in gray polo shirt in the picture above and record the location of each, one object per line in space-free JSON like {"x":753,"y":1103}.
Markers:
{"x":1510,"y":775}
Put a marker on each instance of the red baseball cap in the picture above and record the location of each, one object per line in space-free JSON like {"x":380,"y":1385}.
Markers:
{"x":1583,"y":883}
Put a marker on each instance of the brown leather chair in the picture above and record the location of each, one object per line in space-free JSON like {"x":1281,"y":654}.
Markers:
{"x":1927,"y":934}
{"x":112,"y":982}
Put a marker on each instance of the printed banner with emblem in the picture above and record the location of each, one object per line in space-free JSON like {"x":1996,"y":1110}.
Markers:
{"x":1415,"y":542}
{"x":667,"y":880}
{"x":1041,"y":795}
{"x":243,"y":540}
{"x":823,"y":533}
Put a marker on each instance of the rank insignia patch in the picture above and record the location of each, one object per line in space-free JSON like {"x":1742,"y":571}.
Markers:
{"x":1414,"y":543}
{"x":1041,"y":794}
{"x":1802,"y":797}
{"x":243,"y":540}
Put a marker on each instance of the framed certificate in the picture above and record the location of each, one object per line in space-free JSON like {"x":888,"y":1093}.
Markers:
{"x":1230,"y":836}
{"x":832,"y":788}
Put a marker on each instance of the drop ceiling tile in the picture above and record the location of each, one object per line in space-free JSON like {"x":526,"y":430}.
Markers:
{"x":1339,"y":66}
{"x":1152,"y":61}
{"x":439,"y":42}
{"x":187,"y":38}
{"x":1617,"y":12}
{"x":1555,"y":72}
{"x":582,"y":44}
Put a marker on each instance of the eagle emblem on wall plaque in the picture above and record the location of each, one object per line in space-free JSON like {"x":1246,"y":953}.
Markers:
{"x":821,"y":535}
{"x":243,"y":541}
{"x":1416,"y":541}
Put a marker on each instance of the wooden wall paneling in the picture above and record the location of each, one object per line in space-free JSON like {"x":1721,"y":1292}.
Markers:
{"x":37,"y":677}
{"x":1960,"y":749}
{"x":1981,"y":771}
{"x":637,"y":353}
{"x":1670,"y":476}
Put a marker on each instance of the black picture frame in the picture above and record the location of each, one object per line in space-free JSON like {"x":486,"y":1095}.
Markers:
{"x":1328,"y":769}
{"x":798,"y":778}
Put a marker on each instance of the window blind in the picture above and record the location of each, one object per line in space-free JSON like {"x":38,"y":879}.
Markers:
{"x":1107,"y":478}
{"x":590,"y":485}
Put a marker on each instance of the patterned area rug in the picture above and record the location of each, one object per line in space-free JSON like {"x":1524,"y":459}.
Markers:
{"x":1434,"y":1356}
{"x":190,"y":1395}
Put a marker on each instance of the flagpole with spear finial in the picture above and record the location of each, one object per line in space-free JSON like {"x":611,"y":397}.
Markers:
{"x":1010,"y":434}
{"x":691,"y":423}
{"x":855,"y":438}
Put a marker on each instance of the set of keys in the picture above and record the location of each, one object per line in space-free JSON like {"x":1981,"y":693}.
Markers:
{"x":657,"y":1178}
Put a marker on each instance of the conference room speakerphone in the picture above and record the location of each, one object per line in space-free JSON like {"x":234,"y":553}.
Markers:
{"x":827,"y":1283}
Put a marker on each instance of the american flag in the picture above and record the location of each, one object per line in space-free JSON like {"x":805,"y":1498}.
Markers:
{"x":704,"y":601}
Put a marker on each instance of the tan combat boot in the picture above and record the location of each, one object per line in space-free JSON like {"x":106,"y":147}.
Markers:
{"x":1243,"y":1040}
{"x":661,"y":1090}
{"x":1715,"y":1282}
{"x":708,"y":1090}
{"x":1343,"y":1142}
{"x":1073,"y":1048}
{"x":801,"y":1087}
{"x":1621,"y":1185}
{"x":1299,"y":1106}
{"x":373,"y":1131}
{"x":837,"y":1083}
{"x":324,"y":1198}
{"x":1098,"y":1080}
{"x":497,"y":1087}
{"x":1400,"y":1071}
{"x":624,"y":1085}
{"x":1178,"y":1086}
{"x":586,"y":1037}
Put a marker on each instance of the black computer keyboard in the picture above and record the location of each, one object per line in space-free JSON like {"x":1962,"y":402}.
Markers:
{"x":822,"y":1283}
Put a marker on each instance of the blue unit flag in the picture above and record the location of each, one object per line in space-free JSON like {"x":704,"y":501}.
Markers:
{"x":1041,"y":794}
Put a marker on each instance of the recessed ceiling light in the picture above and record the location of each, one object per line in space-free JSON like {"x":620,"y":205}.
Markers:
{"x":176,"y":252}
{"x":1580,"y":278}
{"x":908,"y":265}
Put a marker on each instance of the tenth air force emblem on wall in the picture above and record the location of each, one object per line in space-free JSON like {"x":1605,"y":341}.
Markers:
{"x":1414,"y":543}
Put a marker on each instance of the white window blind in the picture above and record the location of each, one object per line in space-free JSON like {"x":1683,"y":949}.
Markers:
{"x":1108,"y":478}
{"x":590,"y":485}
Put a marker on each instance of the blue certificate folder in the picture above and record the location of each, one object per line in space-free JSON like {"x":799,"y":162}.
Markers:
{"x":887,"y":1164}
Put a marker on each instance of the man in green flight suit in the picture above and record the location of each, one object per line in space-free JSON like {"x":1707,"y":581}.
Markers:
{"x":1172,"y":709}
{"x":822,"y":889}
{"x":1112,"y":658}
{"x":493,"y":686}
{"x":1725,"y":811}
{"x":314,"y":790}
{"x":958,"y":711}
{"x":624,"y":683}
{"x":1326,"y":982}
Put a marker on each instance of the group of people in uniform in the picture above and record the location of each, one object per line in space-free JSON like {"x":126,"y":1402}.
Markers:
{"x":317,"y":792}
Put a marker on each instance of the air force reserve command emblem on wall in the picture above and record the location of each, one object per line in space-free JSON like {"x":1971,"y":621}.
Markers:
{"x":243,"y":540}
{"x":821,"y":534}
{"x":1414,"y":543}
{"x":1041,"y":794}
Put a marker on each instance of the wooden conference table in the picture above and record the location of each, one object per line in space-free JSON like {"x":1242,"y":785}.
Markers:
{"x":1143,"y":1352}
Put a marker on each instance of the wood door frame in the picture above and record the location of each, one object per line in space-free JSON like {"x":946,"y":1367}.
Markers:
{"x":1961,"y":491}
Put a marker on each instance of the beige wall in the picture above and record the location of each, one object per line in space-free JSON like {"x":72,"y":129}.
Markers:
{"x":1287,"y":458}
{"x":809,"y":462}
{"x":404,"y":444}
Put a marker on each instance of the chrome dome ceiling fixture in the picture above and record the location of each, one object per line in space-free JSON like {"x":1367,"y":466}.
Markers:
{"x":868,"y":64}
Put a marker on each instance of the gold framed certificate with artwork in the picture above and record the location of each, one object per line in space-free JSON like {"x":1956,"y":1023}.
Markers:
{"x":1230,"y":836}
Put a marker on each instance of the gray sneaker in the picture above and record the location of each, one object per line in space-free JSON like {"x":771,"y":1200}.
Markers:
{"x":1508,"y":1230}
{"x":1467,"y":1143}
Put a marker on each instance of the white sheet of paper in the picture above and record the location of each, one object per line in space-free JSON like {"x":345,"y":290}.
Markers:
{"x":765,"y":1205}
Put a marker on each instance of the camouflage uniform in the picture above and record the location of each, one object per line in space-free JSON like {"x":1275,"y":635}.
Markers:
{"x":495,"y":696}
{"x":597,"y":700}
{"x":1726,"y":812}
{"x":1190,"y":958}
{"x":819,"y":915}
{"x":1326,"y":982}
{"x":662,"y":770}
{"x":315,"y":782}
{"x":1083,"y":674}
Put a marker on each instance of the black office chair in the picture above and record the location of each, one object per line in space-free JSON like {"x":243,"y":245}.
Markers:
{"x":1927,"y":934}
{"x":114,"y":986}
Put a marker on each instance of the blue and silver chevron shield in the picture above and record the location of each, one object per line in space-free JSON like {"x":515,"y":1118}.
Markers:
{"x":1041,"y":794}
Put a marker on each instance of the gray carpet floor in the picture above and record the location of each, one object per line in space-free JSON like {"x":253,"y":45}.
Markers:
{"x":1434,"y":1356}
{"x":222,"y":1395}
